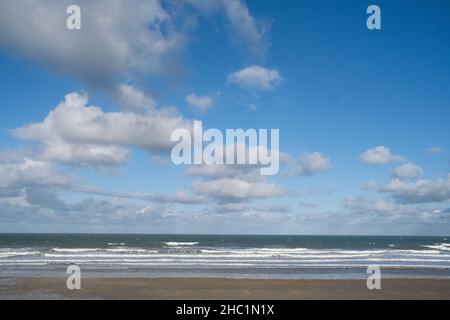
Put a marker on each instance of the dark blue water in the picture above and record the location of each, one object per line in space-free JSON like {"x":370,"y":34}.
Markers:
{"x":223,"y":256}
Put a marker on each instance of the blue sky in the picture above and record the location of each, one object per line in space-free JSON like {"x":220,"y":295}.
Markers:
{"x":363,"y":116}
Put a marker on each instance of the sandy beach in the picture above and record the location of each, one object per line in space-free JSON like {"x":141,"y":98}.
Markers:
{"x":217,"y":289}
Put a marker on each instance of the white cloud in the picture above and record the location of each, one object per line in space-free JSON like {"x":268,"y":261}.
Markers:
{"x":246,"y":172}
{"x":118,"y":38}
{"x":255,"y":78}
{"x":26,"y":172}
{"x":133,"y":99}
{"x":246,"y":208}
{"x":311,"y":164}
{"x":375,"y":207}
{"x":252,"y":32}
{"x":420,"y":191}
{"x":77,"y":133}
{"x":180,"y":197}
{"x":28,"y":182}
{"x":233,"y":183}
{"x":245,"y":29}
{"x":84,"y":153}
{"x":379,"y":156}
{"x":201,"y":103}
{"x":236,"y":189}
{"x":363,"y":210}
{"x":407,"y":171}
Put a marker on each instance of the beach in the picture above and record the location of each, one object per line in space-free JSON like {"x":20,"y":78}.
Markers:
{"x":219,"y":289}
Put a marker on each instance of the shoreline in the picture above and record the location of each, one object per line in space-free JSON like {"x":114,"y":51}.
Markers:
{"x":13,"y":288}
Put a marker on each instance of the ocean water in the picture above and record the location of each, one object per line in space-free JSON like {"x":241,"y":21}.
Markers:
{"x":271,"y":257}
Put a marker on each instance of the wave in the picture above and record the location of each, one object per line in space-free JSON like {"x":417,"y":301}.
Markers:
{"x":300,"y":251}
{"x":75,"y":250}
{"x":207,"y":260}
{"x":226,"y":264}
{"x":81,"y":250}
{"x":180,"y":244}
{"x":127,"y":250}
{"x":439,"y":246}
{"x":177,"y":255}
{"x":8,"y":254}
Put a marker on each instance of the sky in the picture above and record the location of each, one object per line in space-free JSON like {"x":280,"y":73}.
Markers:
{"x":87,"y":116}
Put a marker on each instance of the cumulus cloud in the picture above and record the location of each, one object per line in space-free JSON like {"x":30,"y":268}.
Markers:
{"x":233,"y":183}
{"x":28,"y":194}
{"x":237,"y":189}
{"x":27,"y":182}
{"x":94,"y":211}
{"x":84,"y":154}
{"x":360,"y":209}
{"x":407,"y":171}
{"x":136,"y":37}
{"x":27,"y":172}
{"x":420,"y":191}
{"x":119,"y":40}
{"x":100,"y":211}
{"x":133,"y":99}
{"x":379,"y":156}
{"x":377,"y":207}
{"x":255,"y":78}
{"x":225,"y":171}
{"x":43,"y":198}
{"x":201,"y":103}
{"x":242,"y":207}
{"x":311,"y":164}
{"x":77,"y":133}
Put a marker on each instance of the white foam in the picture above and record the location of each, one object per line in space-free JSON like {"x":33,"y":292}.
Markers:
{"x":127,"y":250}
{"x":179,"y":244}
{"x":439,"y":246}
{"x":114,"y":257}
{"x":222,"y":264}
{"x":74,"y":250}
{"x":6,"y":254}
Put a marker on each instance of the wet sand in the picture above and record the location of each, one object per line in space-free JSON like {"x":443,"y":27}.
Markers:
{"x":217,"y":289}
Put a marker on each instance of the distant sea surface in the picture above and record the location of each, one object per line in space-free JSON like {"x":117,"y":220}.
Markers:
{"x":271,"y":257}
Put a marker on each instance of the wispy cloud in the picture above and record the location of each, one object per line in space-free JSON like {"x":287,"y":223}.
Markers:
{"x":435,"y":150}
{"x":200,"y":103}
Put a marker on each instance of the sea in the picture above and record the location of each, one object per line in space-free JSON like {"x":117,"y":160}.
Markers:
{"x":224,"y":256}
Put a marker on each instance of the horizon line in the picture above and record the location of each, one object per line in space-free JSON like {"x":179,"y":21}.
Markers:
{"x":222,"y":234}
